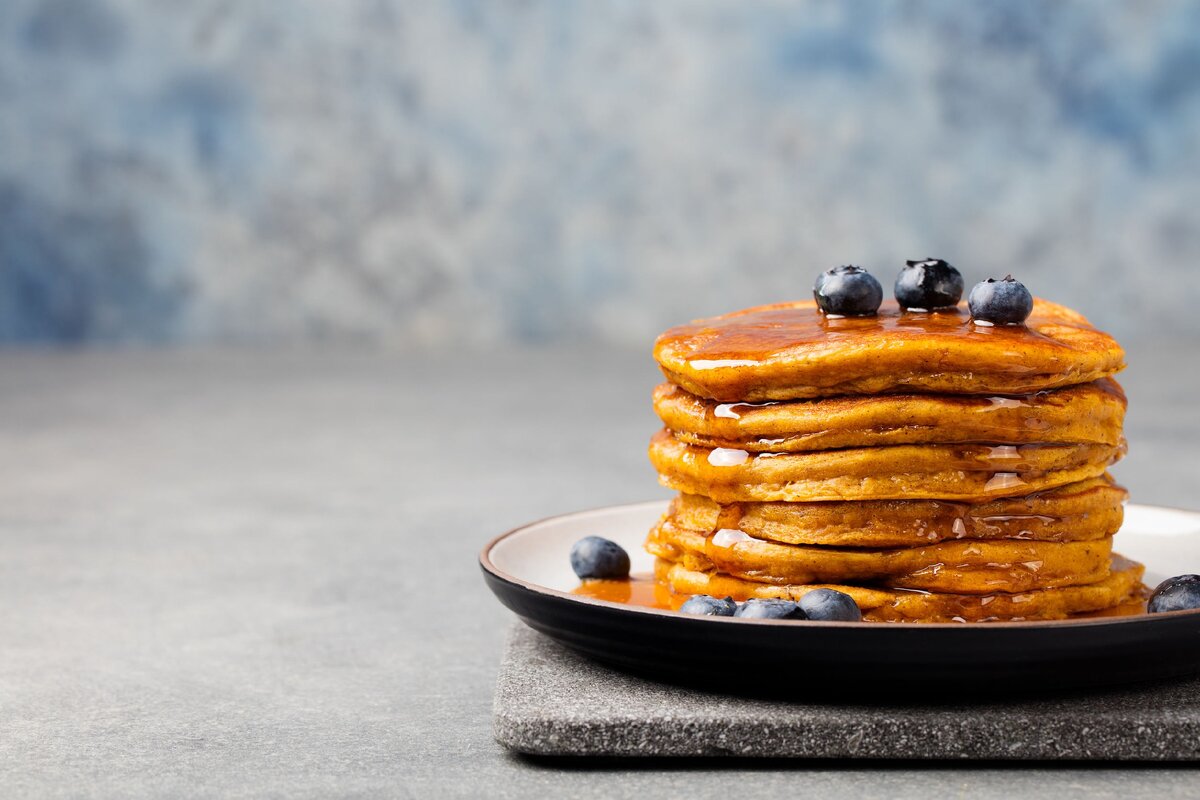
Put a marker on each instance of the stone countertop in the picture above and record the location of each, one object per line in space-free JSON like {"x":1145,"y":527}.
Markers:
{"x":238,"y":574}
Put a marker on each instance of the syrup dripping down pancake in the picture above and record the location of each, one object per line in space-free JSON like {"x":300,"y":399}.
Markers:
{"x":792,"y":351}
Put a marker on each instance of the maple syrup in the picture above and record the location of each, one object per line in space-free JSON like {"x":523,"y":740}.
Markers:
{"x":746,"y":339}
{"x":636,"y":590}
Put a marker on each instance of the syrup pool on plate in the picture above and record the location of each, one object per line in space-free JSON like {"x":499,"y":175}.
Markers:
{"x":636,"y":590}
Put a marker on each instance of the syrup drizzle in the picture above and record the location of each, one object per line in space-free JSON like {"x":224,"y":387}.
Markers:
{"x":727,"y":457}
{"x":748,"y":339}
{"x":726,"y":410}
{"x":1002,"y":481}
{"x":730,"y":537}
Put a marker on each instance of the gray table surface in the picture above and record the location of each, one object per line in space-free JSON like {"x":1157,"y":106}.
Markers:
{"x":248,"y":574}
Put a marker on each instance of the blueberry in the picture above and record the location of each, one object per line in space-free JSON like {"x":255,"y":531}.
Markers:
{"x":831,"y":605}
{"x":928,"y":284}
{"x":1176,"y":594}
{"x":770,"y":608}
{"x":596,"y":557}
{"x":848,"y":291}
{"x":708,"y":606}
{"x":1005,"y":302}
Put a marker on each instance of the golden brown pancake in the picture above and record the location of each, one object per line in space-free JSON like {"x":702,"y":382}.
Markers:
{"x":1121,"y":585}
{"x":933,"y":471}
{"x":1092,"y":413}
{"x":1090,"y":509}
{"x":792,"y":351}
{"x":981,"y":566}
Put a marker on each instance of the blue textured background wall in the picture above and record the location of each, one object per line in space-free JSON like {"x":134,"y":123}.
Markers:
{"x":471,"y":172}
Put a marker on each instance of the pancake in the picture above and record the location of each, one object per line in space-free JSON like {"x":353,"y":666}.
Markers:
{"x":1121,"y":585}
{"x":964,"y":567}
{"x":1090,"y":509}
{"x":792,"y":351}
{"x":935,"y":471}
{"x":1092,"y":413}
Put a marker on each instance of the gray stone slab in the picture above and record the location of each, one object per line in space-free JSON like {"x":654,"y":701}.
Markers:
{"x":551,"y":701}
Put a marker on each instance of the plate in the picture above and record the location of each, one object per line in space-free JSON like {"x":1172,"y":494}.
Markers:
{"x":528,"y":570}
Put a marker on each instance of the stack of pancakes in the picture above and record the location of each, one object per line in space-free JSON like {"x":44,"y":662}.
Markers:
{"x":931,"y":467}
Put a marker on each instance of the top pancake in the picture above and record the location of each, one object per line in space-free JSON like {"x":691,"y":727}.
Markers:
{"x":791,"y":351}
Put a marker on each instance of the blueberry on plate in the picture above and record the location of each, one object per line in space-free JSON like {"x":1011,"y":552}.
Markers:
{"x":830,"y":605}
{"x":769,"y":608}
{"x":1176,"y":594}
{"x":1005,"y":302}
{"x":928,"y":284}
{"x":597,"y":557}
{"x":709,"y":606}
{"x":848,"y":291}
